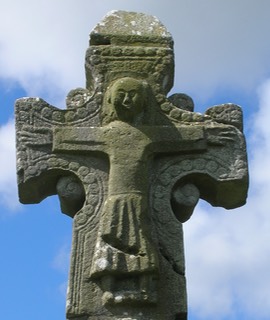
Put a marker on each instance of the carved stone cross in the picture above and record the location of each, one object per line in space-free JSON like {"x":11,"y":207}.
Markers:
{"x":129,"y":165}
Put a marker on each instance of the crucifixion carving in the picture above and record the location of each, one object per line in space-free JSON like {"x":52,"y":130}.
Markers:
{"x":129,"y":165}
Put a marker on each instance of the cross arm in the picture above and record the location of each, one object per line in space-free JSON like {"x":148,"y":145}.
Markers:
{"x":34,"y":138}
{"x":219,"y":174}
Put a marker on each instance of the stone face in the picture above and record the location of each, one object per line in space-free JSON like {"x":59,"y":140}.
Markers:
{"x":129,"y":164}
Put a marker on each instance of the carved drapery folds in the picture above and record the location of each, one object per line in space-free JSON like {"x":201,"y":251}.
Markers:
{"x":129,"y":164}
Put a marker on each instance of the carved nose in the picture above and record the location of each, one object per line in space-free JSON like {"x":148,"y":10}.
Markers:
{"x":127,"y":99}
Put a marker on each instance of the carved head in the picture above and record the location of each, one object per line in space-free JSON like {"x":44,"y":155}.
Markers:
{"x":126,"y":99}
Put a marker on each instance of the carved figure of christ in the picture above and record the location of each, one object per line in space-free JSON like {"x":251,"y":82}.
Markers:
{"x":126,"y":244}
{"x":124,"y":223}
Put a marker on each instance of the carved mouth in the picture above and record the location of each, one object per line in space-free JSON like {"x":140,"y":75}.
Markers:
{"x":127,"y":105}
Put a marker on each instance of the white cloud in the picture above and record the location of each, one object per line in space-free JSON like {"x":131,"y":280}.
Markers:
{"x":61,"y":264}
{"x":42,"y":43}
{"x":62,"y":289}
{"x":261,"y":141}
{"x":228,"y":254}
{"x":8,"y":185}
{"x":61,"y":259}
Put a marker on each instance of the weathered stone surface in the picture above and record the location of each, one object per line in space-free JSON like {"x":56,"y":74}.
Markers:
{"x":129,"y":165}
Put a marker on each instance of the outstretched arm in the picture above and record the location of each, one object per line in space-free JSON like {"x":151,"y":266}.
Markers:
{"x":79,"y":139}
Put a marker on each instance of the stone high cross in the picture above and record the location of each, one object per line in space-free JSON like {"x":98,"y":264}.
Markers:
{"x":129,"y":164}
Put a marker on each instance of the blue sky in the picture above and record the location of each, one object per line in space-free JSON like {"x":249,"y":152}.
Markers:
{"x":222,"y":51}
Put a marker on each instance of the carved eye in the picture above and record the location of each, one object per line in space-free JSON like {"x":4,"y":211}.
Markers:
{"x":121,"y":94}
{"x":132,"y":93}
